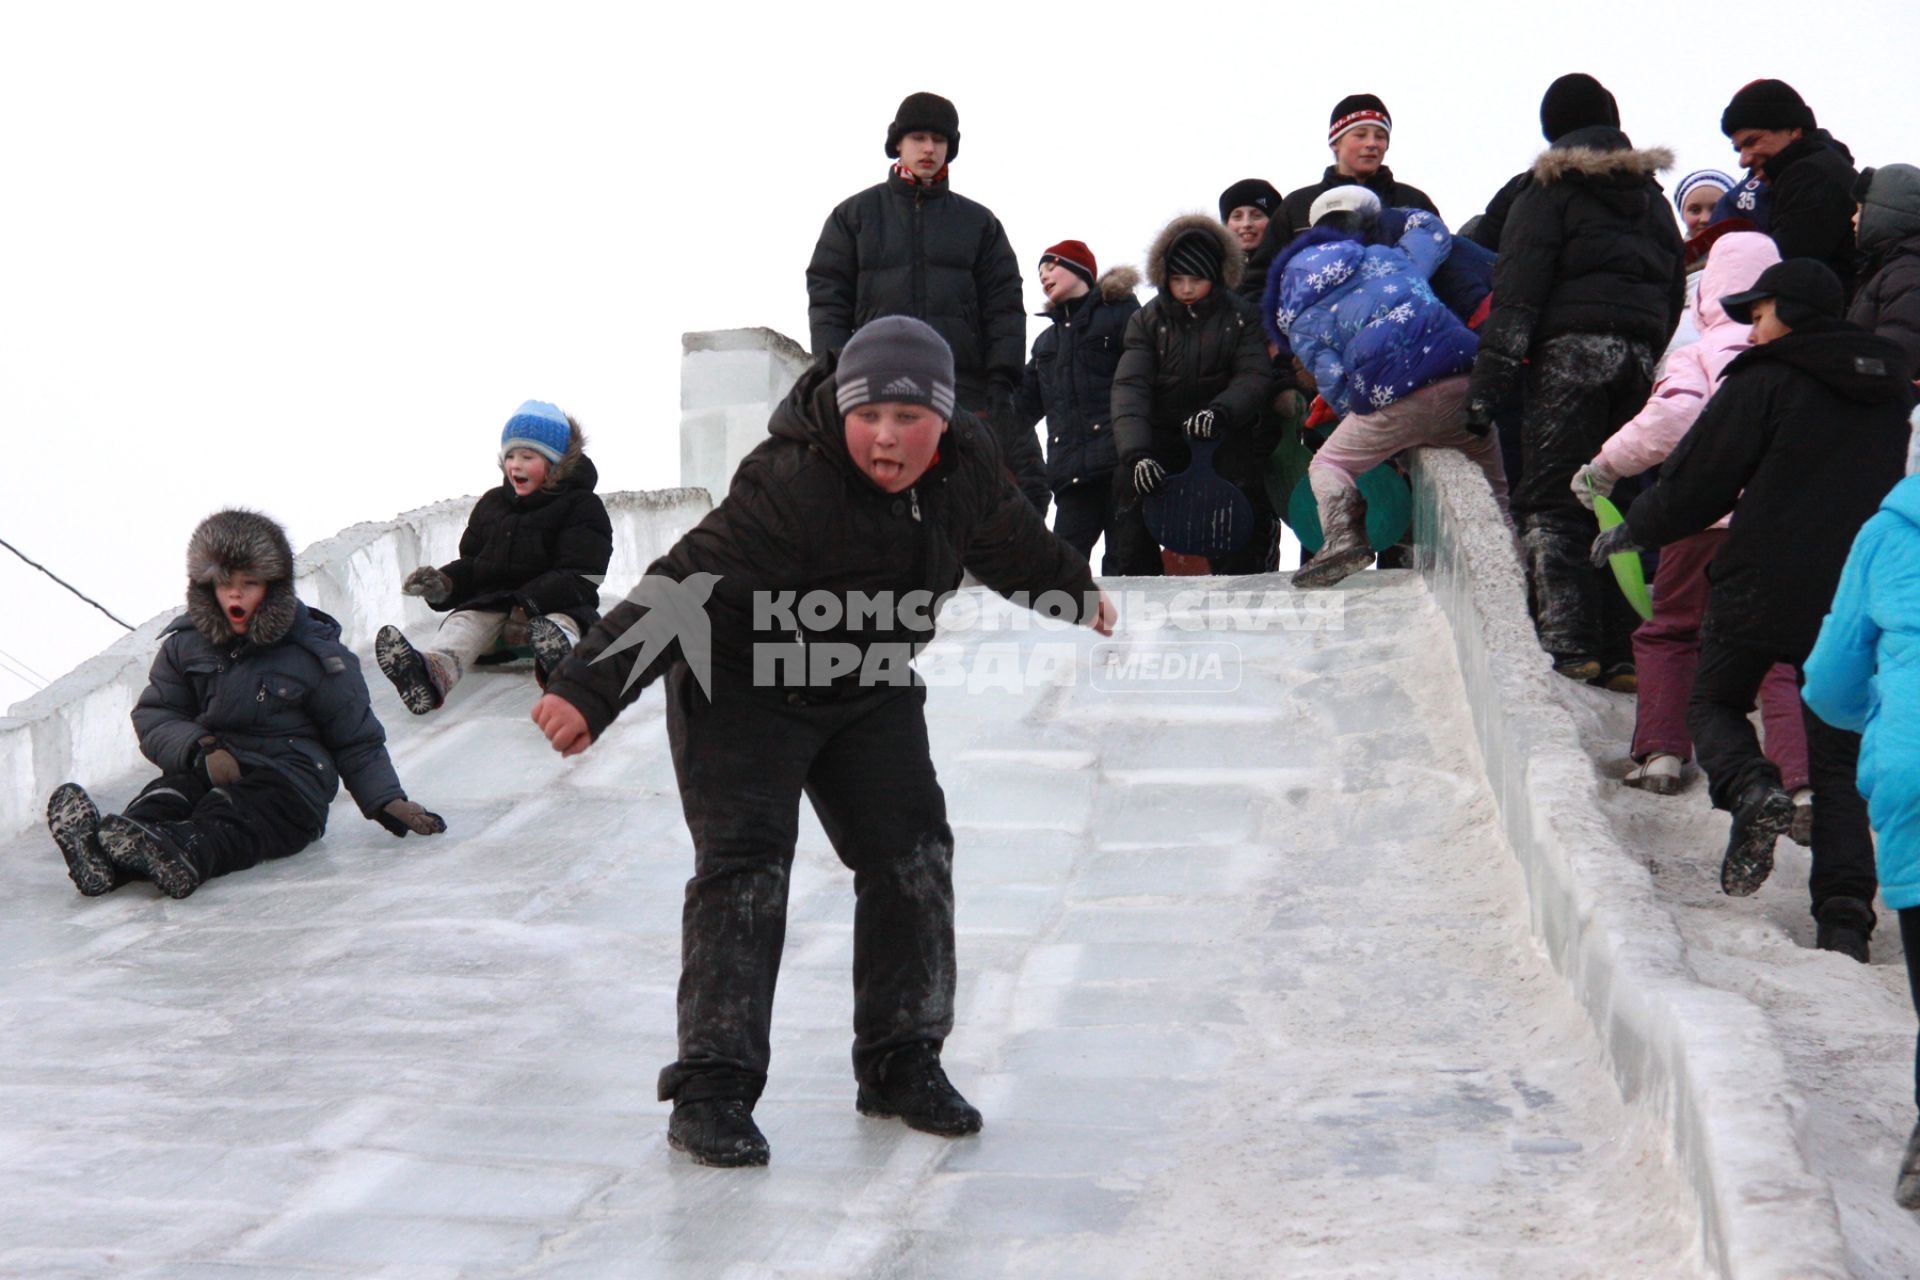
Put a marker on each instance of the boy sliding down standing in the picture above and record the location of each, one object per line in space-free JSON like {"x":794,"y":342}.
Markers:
{"x":533,"y":553}
{"x":255,"y":714}
{"x":864,"y":492}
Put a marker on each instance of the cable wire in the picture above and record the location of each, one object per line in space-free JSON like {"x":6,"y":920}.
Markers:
{"x":63,"y":582}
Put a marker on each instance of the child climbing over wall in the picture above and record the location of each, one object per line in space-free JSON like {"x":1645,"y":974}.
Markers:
{"x":531,"y":560}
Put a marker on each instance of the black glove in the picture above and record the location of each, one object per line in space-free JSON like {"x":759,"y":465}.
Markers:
{"x":1613,"y":542}
{"x":1200,"y":425}
{"x":1147,"y":476}
{"x":429,"y":584}
{"x":1479,"y":417}
{"x":402,"y":816}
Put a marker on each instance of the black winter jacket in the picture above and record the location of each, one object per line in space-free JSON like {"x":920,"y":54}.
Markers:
{"x":1292,"y":218}
{"x":1486,"y":232}
{"x":801,"y":518}
{"x":1178,"y":360}
{"x":1801,"y":442}
{"x":1810,"y":203}
{"x":296,"y":705}
{"x":1069,"y":380}
{"x":1590,"y":246}
{"x":1889,"y":301}
{"x":543,"y":553}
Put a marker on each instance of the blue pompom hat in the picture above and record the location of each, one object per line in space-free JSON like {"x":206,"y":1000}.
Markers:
{"x":538,"y":426}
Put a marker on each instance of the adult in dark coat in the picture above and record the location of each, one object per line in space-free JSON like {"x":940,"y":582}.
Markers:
{"x":912,"y":246}
{"x":772,"y":690}
{"x":1182,"y":359}
{"x":1808,"y":203}
{"x":1889,"y":237}
{"x":1069,"y":382}
{"x":1802,"y":441}
{"x":255,"y":713}
{"x":1589,"y":285}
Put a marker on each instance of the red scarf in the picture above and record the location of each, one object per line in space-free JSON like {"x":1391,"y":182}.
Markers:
{"x":913,"y":179}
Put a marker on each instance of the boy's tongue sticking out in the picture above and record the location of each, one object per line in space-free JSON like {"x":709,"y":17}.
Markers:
{"x":894,"y":386}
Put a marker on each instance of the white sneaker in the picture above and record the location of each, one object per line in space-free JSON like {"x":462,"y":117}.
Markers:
{"x":1661,"y":773}
{"x":1801,"y":832}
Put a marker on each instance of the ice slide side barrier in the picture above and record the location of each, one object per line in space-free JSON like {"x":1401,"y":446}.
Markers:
{"x":77,"y":726}
{"x":1704,"y":1059}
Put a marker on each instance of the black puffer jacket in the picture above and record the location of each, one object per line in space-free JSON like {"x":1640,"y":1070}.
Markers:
{"x":1179,"y":360}
{"x":801,"y":518}
{"x":1889,"y":301}
{"x":288,"y":697}
{"x":1801,"y":442}
{"x":1069,"y":381}
{"x":1810,"y":203}
{"x":904,"y":249}
{"x":1487,"y":230}
{"x":1590,"y":246}
{"x":1292,"y":218}
{"x":542,"y":553}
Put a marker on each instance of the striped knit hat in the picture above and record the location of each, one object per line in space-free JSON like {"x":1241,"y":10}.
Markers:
{"x":1700,"y":178}
{"x":1355,"y":110}
{"x":538,"y":426}
{"x":1075,"y":257}
{"x":895,"y":359}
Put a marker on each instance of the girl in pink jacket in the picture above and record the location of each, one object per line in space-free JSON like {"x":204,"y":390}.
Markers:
{"x":1666,"y":648}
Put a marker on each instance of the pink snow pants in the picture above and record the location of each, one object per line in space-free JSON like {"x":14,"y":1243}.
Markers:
{"x":1434,"y":415}
{"x":1666,"y":650}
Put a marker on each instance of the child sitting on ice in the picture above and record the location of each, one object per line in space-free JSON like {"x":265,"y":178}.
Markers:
{"x":1388,"y":356}
{"x":531,"y":559}
{"x":255,"y":714}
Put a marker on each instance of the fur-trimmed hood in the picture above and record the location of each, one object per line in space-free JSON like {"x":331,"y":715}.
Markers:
{"x":240,"y":541}
{"x":1233,"y":259}
{"x":1599,"y":153}
{"x":1115,"y":285}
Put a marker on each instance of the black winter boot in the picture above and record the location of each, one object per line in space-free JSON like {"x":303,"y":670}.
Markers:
{"x":1346,"y":551}
{"x":913,"y":1087}
{"x":1762,"y":814}
{"x":550,"y":644}
{"x":75,"y":822}
{"x":718,"y":1132}
{"x":1845,"y":925}
{"x":412,"y":674}
{"x":1906,"y":1191}
{"x":140,"y":850}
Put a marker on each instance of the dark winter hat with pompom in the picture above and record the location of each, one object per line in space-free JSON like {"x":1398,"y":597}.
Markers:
{"x":924,"y":113}
{"x":1355,"y":110}
{"x":1576,"y":101}
{"x":1766,"y":104}
{"x":1255,"y":192}
{"x":233,"y":542}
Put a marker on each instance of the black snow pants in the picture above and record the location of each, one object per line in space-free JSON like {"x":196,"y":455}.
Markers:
{"x":1580,"y":389}
{"x":1910,"y":942}
{"x":1728,"y":749}
{"x":742,"y":761}
{"x":1132,"y":550}
{"x":1083,"y":513}
{"x":229,"y":828}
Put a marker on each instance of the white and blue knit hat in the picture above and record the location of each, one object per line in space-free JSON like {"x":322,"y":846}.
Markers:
{"x":1701,"y":178}
{"x":538,"y":426}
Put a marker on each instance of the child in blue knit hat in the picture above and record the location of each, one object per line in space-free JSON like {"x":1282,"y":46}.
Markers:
{"x":531,"y":560}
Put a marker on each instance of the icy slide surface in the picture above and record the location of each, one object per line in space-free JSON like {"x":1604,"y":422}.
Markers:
{"x":1247,"y":988}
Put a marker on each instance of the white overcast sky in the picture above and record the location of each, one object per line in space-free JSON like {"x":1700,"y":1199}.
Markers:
{"x":308,"y":258}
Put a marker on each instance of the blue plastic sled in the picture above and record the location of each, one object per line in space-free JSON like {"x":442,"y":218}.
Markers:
{"x":1196,"y":513}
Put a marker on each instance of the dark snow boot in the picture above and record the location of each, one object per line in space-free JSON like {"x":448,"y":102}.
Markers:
{"x":139,"y":850}
{"x":551,"y":646}
{"x":75,"y":822}
{"x":1346,"y":551}
{"x":412,"y":674}
{"x":1620,"y":678}
{"x":718,"y":1132}
{"x":911,"y":1086}
{"x":1906,"y":1191}
{"x":1845,"y":925}
{"x":1763,"y":813}
{"x":1575,"y":667}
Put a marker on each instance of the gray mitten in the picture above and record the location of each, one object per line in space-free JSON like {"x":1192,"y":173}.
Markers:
{"x":429,"y":584}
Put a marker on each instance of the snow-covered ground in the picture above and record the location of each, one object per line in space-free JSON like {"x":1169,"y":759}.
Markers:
{"x":1248,"y":987}
{"x":1847,"y":1031}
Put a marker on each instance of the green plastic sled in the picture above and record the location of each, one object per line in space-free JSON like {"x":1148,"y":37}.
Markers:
{"x":1389,"y":509}
{"x":1626,"y":566}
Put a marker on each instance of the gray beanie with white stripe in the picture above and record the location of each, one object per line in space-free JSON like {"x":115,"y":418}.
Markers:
{"x":895,"y":359}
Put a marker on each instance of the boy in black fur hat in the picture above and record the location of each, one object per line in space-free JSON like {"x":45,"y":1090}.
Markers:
{"x":255,"y":713}
{"x":534,"y":552}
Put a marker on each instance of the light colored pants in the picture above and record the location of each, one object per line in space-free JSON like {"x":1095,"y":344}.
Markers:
{"x":1434,"y":416}
{"x":465,"y":634}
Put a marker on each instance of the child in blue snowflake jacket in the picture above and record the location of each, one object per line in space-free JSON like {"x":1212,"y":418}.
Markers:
{"x":1388,"y":355}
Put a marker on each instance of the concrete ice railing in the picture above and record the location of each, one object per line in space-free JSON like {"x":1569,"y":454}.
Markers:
{"x":77,"y":727}
{"x":1704,"y":1059}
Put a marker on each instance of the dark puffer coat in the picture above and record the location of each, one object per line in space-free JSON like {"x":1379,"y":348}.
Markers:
{"x":800,"y":517}
{"x":906,"y":249}
{"x":288,"y":696}
{"x":1069,"y":380}
{"x":1801,"y":442}
{"x":542,"y":553}
{"x":1889,"y":301}
{"x":1589,"y":247}
{"x":1179,"y":360}
{"x":1809,"y":203}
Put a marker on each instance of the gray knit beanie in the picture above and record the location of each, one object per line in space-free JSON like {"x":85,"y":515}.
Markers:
{"x":895,"y":359}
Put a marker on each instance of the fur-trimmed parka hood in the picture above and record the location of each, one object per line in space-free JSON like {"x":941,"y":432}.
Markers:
{"x":240,"y":541}
{"x":1233,"y":259}
{"x":1115,"y":285}
{"x":1599,"y":153}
